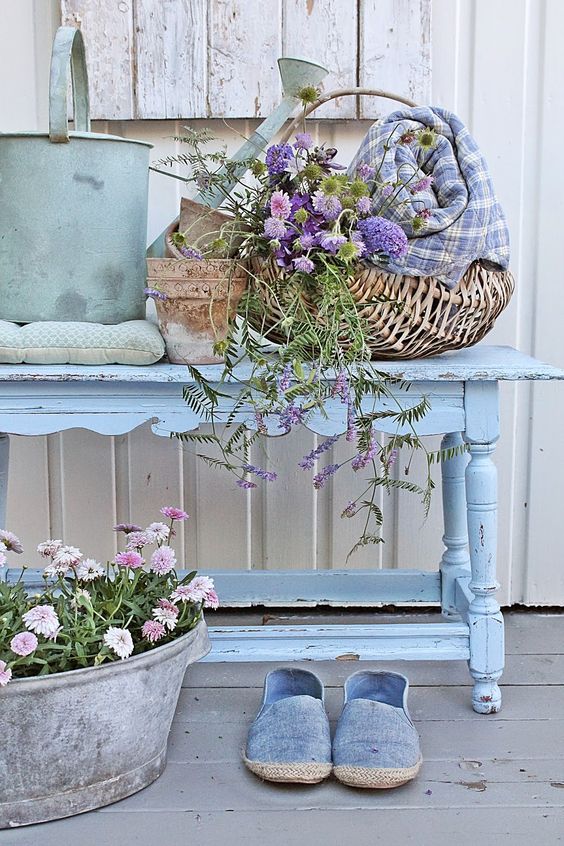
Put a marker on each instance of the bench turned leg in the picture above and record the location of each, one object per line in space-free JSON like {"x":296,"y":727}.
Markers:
{"x":455,"y":561}
{"x":484,"y":616}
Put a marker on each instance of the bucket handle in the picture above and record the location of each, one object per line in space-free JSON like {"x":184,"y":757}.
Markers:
{"x":68,"y":53}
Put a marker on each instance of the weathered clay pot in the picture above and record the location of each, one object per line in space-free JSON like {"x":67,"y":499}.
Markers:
{"x":201,"y":298}
{"x":76,"y":741}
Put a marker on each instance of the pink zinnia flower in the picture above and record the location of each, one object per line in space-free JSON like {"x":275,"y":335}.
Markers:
{"x":42,"y":619}
{"x":10,"y":541}
{"x":163,"y":560}
{"x":119,"y":641}
{"x":49,"y":548}
{"x":54,"y":570}
{"x":200,"y":589}
{"x":88,"y":570}
{"x":3,"y":558}
{"x":5,"y":674}
{"x":166,"y":613}
{"x":130,"y":559}
{"x":137,"y":540}
{"x":174,"y":513}
{"x":127,"y":528}
{"x":160,"y":530}
{"x":67,"y":555}
{"x":280,"y":205}
{"x":24,"y":643}
{"x":153,"y":630}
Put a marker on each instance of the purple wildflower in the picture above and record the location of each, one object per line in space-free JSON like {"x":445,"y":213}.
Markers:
{"x":303,"y":141}
{"x":309,"y":460}
{"x":261,"y":425}
{"x":387,"y":190}
{"x":285,"y":379}
{"x":364,"y":205}
{"x":356,"y":239}
{"x":392,"y":458}
{"x":351,"y":422}
{"x":291,"y":416}
{"x":243,"y":483}
{"x":155,"y":293}
{"x":426,"y":213}
{"x":274,"y":228}
{"x":267,"y":475}
{"x":383,"y":236}
{"x":360,"y":460}
{"x":191,"y":253}
{"x":320,"y":478}
{"x":328,"y":206}
{"x":423,"y":185}
{"x":350,"y":510}
{"x":331,"y":241}
{"x":307,"y":241}
{"x":304,"y":264}
{"x":365,"y":172}
{"x":277,"y":158}
{"x":341,"y":386}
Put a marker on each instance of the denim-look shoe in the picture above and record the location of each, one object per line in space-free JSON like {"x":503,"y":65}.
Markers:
{"x":376,"y":744}
{"x":289,"y":739}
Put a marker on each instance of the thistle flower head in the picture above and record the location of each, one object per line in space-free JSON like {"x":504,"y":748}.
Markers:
{"x":308,"y":94}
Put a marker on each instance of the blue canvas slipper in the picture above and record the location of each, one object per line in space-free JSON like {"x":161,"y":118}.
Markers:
{"x":376,"y":744}
{"x":289,"y":739}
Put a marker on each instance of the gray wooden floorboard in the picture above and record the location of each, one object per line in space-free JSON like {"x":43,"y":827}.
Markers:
{"x":499,"y":776}
{"x":328,"y":827}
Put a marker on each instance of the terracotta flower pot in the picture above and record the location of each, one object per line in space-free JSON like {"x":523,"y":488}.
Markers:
{"x":201,"y":298}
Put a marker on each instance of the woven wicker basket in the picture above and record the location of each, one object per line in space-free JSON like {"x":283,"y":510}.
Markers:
{"x":418,"y":316}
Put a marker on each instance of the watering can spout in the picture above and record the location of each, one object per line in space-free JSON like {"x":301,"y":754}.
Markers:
{"x":295,"y":75}
{"x":299,"y":73}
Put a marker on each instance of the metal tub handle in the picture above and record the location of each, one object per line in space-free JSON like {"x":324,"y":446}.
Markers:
{"x":68,"y":54}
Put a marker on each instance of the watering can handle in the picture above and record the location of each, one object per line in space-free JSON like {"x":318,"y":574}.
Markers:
{"x":68,"y":52}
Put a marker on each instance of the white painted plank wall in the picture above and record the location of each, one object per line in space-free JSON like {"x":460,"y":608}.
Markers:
{"x":501,"y":72}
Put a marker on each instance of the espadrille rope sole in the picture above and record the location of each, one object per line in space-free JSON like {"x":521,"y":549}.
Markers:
{"x":302,"y":773}
{"x":375,"y":777}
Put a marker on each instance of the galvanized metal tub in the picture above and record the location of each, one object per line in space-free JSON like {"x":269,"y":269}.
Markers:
{"x":76,"y":741}
{"x":73,"y":211}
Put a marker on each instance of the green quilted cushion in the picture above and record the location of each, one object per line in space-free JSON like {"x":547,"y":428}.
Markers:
{"x":133,"y":342}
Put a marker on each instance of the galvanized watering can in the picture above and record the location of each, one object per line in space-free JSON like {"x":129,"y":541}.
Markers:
{"x":73,"y":211}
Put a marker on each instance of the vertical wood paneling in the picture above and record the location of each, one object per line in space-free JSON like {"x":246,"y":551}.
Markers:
{"x":544,"y":575}
{"x":244,"y":42}
{"x":108,"y":31}
{"x":170,"y":58}
{"x":28,"y":493}
{"x":325,"y":32}
{"x":394,"y":51}
{"x":290,"y":504}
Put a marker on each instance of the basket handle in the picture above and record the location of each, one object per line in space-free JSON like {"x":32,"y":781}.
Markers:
{"x":68,"y":53}
{"x":341,"y":92}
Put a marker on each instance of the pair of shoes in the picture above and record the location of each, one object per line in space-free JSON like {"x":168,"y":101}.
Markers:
{"x":376,"y":745}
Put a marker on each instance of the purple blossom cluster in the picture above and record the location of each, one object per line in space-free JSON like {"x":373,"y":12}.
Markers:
{"x":360,"y":460}
{"x":309,"y":460}
{"x":320,"y":478}
{"x":267,"y":475}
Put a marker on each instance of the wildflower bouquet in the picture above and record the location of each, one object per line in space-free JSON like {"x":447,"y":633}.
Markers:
{"x":89,"y":613}
{"x":306,"y":228}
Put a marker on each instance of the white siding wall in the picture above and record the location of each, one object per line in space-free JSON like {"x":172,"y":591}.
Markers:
{"x":499,"y":64}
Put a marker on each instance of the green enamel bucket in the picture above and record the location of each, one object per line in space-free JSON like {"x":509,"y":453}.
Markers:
{"x":73,"y":211}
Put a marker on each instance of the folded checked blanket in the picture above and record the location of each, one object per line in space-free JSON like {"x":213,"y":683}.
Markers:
{"x":465,"y":223}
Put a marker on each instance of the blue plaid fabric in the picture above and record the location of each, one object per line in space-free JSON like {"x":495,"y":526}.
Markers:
{"x":466,"y":222}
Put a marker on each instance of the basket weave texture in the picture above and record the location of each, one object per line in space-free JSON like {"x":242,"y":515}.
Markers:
{"x":413,"y":317}
{"x":420,"y":317}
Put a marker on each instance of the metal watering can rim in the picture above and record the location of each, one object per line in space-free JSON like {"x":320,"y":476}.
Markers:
{"x":98,"y":136}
